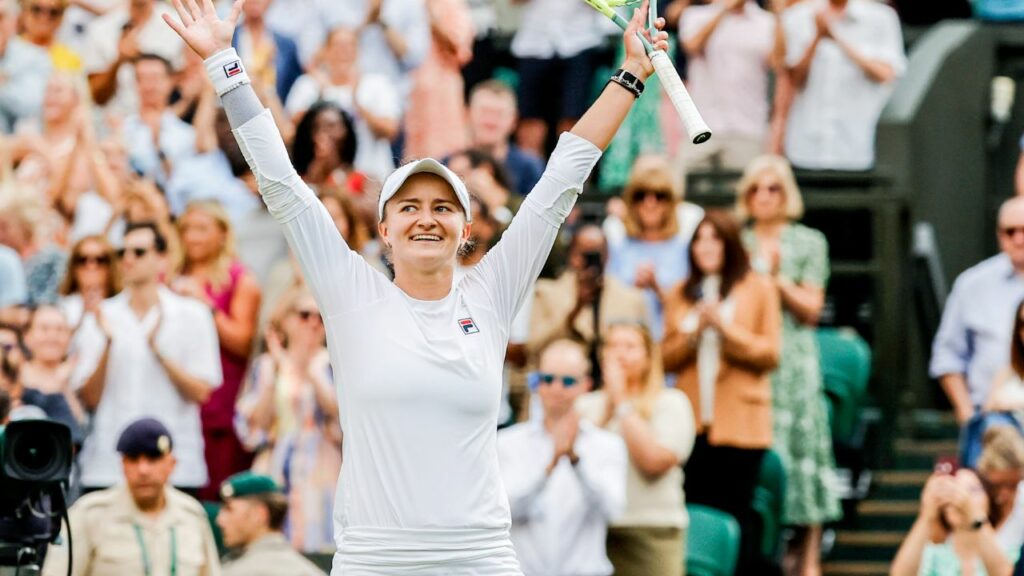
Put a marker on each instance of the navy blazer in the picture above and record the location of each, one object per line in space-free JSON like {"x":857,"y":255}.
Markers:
{"x":286,"y":61}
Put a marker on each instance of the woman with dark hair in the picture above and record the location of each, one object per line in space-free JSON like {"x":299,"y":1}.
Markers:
{"x":487,"y":179}
{"x":324,"y":149}
{"x":1007,"y":394}
{"x":90,"y":278}
{"x":722,"y":332}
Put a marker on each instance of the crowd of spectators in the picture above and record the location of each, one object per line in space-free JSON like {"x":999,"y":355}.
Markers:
{"x":666,"y":351}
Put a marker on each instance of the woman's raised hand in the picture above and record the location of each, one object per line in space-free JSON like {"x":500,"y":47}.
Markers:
{"x":201,"y":28}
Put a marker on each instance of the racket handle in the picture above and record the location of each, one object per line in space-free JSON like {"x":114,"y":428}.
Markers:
{"x":687,"y":110}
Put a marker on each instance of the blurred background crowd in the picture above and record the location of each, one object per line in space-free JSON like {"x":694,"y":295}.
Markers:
{"x":142,"y":276}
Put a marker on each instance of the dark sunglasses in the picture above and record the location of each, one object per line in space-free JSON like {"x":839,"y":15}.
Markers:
{"x":138,"y":252}
{"x":548,"y":379}
{"x":305,"y":315}
{"x":53,"y":13}
{"x":774,"y":189}
{"x":659,"y":195}
{"x":81,"y":260}
{"x":1011,"y":231}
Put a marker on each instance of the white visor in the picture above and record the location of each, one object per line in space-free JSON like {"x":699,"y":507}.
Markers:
{"x":397,"y":178}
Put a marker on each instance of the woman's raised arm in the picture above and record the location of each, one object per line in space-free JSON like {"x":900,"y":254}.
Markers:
{"x":337,"y":276}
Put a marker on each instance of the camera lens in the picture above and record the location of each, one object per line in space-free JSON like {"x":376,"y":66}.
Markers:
{"x":36,"y":452}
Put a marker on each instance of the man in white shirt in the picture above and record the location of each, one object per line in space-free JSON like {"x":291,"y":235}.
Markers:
{"x":150,"y":353}
{"x":115,"y":40}
{"x":844,"y":57}
{"x":565,"y":479}
{"x":155,"y":137}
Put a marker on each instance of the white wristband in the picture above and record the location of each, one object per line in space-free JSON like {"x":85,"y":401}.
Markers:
{"x":226,"y":71}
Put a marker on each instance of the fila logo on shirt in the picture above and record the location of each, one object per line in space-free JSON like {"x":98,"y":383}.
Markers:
{"x":468,"y":326}
{"x":233,"y":69}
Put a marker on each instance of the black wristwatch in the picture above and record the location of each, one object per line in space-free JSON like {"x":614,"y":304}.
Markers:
{"x":628,"y":81}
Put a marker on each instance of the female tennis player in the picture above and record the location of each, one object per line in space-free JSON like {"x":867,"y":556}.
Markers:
{"x":417,"y":361}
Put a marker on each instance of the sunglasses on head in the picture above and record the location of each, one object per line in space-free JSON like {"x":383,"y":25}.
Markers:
{"x":138,"y":252}
{"x":52,"y":12}
{"x":548,"y":379}
{"x":659,"y":195}
{"x":82,"y":259}
{"x":1011,"y":231}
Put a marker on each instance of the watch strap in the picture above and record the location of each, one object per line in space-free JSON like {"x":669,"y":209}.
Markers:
{"x":628,"y":81}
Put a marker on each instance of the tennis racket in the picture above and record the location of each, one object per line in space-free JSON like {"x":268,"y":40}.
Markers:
{"x":695,"y":126}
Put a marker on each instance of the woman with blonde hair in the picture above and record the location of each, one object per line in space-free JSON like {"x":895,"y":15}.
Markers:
{"x":25,"y":227}
{"x":288,"y":414}
{"x":1001,"y":468}
{"x":657,"y":426}
{"x":795,"y":257}
{"x":722,"y":341}
{"x":652,"y":256}
{"x":210,"y":271}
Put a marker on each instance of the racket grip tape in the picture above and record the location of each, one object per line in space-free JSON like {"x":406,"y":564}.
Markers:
{"x":695,"y":126}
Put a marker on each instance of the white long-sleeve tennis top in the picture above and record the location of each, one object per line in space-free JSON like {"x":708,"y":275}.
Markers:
{"x":419,"y":382}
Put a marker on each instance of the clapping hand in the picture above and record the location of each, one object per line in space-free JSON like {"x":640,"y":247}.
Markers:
{"x":564,"y":433}
{"x":201,"y":28}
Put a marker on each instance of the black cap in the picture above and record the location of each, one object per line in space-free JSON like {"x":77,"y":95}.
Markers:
{"x":146,"y":436}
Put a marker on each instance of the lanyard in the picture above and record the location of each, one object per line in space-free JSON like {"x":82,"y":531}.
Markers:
{"x":147,"y":567}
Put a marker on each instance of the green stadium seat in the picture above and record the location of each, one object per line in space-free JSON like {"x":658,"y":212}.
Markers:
{"x":769,"y":504}
{"x":845,"y":368}
{"x":212,"y":508}
{"x":712,"y":542}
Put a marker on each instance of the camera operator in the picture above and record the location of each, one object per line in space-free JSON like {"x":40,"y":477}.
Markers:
{"x":144,"y":527}
{"x":583,"y":298}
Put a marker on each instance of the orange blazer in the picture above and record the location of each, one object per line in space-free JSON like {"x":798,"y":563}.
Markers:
{"x":743,"y":394}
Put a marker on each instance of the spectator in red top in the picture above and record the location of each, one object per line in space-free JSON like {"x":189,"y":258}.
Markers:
{"x":211,"y":273}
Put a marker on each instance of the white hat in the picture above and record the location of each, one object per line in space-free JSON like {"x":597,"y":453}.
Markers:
{"x":430,"y":166}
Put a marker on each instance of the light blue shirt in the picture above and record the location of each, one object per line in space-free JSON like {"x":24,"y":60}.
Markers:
{"x":13,"y":289}
{"x":24,"y":71}
{"x":671,"y":265}
{"x":977,"y":325}
{"x":208,"y":177}
{"x":177,"y":142}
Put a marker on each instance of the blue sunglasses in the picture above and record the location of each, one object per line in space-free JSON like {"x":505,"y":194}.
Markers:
{"x":537,"y":378}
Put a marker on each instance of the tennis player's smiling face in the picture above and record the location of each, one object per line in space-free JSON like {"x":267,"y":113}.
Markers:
{"x":424,"y":225}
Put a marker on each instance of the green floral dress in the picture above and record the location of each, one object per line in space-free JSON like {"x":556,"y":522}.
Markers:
{"x":802,"y":436}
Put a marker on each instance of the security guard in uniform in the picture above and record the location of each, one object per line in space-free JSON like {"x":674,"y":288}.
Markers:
{"x":251,"y":519}
{"x":144,"y":528}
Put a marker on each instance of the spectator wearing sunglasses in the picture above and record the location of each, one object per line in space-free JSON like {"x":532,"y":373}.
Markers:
{"x":652,"y":256}
{"x":288,"y":415}
{"x":90,"y":278}
{"x":146,"y":352}
{"x":657,"y":425}
{"x":566,"y":479}
{"x":973,"y":341}
{"x":41,"y":20}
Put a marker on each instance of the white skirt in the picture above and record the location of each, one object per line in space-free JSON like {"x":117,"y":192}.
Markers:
{"x":425,"y":552}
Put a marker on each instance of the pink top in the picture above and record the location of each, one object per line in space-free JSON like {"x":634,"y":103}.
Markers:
{"x":218,"y":412}
{"x":729,"y":81}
